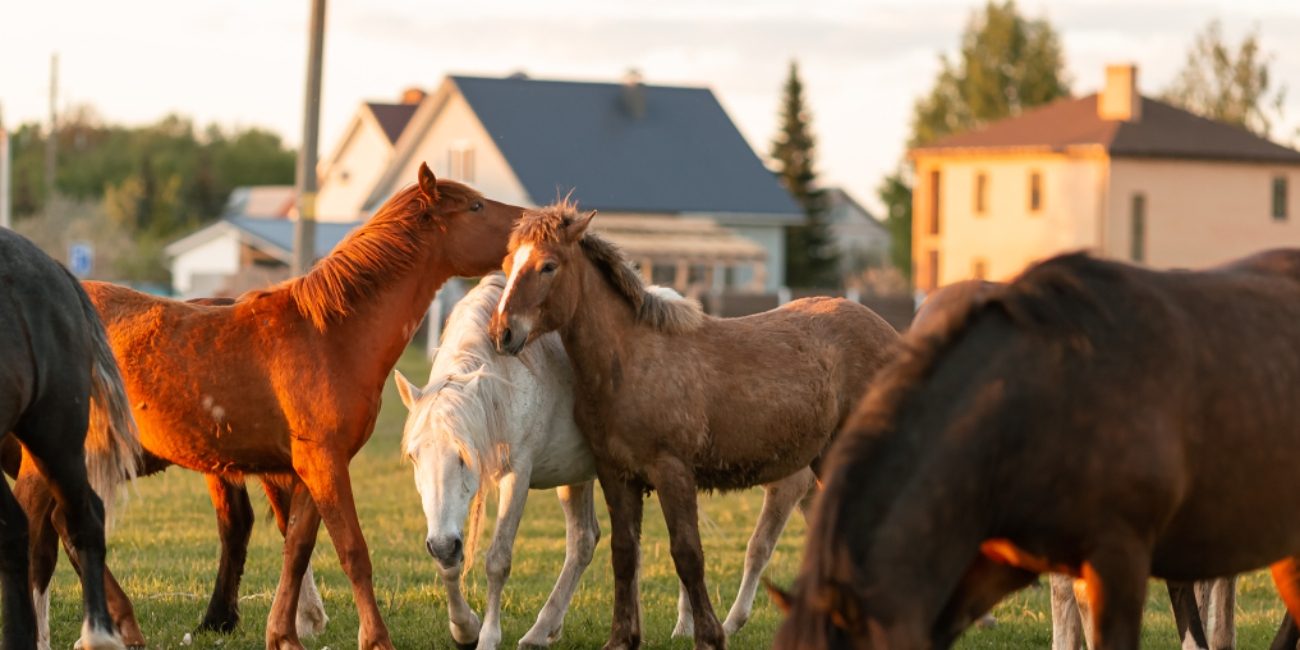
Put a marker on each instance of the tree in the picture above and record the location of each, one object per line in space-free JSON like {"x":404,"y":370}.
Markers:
{"x":1230,"y":87}
{"x":1007,"y":64}
{"x":810,"y":255}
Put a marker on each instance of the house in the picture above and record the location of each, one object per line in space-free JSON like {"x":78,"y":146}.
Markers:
{"x":676,"y":184}
{"x":862,"y":241}
{"x":1124,"y":176}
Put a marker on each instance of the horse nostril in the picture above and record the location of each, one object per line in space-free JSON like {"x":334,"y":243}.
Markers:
{"x":456,"y":547}
{"x":428,"y":545}
{"x":505,"y":337}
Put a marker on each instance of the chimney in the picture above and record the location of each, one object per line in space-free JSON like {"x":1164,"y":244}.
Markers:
{"x":634,"y":94}
{"x":1120,"y":99}
{"x":412,"y":95}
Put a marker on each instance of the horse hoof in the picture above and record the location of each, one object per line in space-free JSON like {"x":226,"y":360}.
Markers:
{"x":220,"y":625}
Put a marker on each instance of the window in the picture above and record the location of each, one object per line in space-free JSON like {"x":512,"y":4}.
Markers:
{"x":981,"y":192}
{"x":1035,"y":191}
{"x":932,"y":271}
{"x":460,"y":162}
{"x":979,"y":269}
{"x":1279,"y":198}
{"x":1138,"y":228}
{"x":934,"y":202}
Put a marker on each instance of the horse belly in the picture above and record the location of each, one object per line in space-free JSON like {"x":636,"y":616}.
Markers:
{"x":564,"y":459}
{"x":205,"y":443}
{"x":1239,"y":526}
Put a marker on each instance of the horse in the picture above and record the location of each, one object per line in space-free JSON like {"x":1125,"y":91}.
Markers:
{"x":234,"y":524}
{"x":675,"y":401}
{"x":484,"y":418}
{"x":1203,"y":612}
{"x":1092,"y":418}
{"x":285,"y":383}
{"x":62,"y":398}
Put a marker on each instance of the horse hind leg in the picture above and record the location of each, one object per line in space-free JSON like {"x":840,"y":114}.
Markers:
{"x":19,"y":629}
{"x":234,"y":527}
{"x":311,"y":618}
{"x":1187,"y":615}
{"x":1286,"y":577}
{"x":1217,"y":600}
{"x":582,"y":532}
{"x":33,"y":495}
{"x":779,"y":501}
{"x":1067,"y":626}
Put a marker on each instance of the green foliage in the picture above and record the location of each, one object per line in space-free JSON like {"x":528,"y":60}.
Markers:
{"x":1232,"y":87}
{"x":895,"y":191}
{"x":811,"y":259}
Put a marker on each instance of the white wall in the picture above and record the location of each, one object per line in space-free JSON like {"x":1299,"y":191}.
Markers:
{"x":219,"y":256}
{"x":364,"y":156}
{"x":771,"y":238}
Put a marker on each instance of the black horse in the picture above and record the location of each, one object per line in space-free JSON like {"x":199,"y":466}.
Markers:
{"x":61,"y":396}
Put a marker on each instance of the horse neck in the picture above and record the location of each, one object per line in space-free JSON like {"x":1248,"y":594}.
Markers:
{"x":602,"y":328}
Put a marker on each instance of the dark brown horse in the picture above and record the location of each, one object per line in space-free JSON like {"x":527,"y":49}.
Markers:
{"x":676,"y":401}
{"x":1091,"y":418}
{"x":62,"y":398}
{"x":286,"y":383}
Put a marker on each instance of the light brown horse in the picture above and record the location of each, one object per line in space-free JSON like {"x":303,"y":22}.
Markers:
{"x":286,"y":383}
{"x":1091,"y":418}
{"x":676,"y":401}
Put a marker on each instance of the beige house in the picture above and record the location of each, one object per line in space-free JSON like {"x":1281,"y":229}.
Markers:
{"x":1121,"y":175}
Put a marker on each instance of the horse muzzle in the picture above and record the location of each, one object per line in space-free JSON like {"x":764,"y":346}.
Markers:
{"x":447,"y":550}
{"x":509,"y":336}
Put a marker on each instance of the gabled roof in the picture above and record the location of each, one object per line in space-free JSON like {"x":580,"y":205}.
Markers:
{"x":1163,"y":131}
{"x":679,"y":153}
{"x":266,"y":201}
{"x":392,"y":118}
{"x":271,"y":236}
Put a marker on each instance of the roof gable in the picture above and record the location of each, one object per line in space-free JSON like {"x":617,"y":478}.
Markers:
{"x":392,"y":118}
{"x":681,"y":154}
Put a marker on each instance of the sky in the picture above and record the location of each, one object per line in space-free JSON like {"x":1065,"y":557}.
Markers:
{"x":864,"y":62}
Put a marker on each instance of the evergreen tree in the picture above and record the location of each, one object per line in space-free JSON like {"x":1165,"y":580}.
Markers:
{"x":811,"y":259}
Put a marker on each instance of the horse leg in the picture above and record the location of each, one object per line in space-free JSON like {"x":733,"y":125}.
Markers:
{"x":582,"y":532}
{"x":1116,"y":575}
{"x":675,"y":484}
{"x":326,"y":477}
{"x":1067,"y":633}
{"x":311,"y":618}
{"x":234,"y":527}
{"x":1286,"y":576}
{"x":1187,"y":616}
{"x":985,"y":583}
{"x":299,"y":539}
{"x":779,"y":500}
{"x":624,"y":501}
{"x":1288,"y":636}
{"x":513,"y":489}
{"x":33,"y":495}
{"x":1217,"y":600}
{"x":19,"y":630}
{"x":462,"y":619}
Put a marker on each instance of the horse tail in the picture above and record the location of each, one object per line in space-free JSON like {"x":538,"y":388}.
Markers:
{"x":477,"y":509}
{"x":112,"y":442}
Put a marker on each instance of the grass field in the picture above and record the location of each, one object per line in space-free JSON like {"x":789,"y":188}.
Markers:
{"x":164,"y":550}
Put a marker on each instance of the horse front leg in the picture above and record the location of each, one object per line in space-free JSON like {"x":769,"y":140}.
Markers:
{"x":582,"y":532}
{"x":1067,"y":628}
{"x":234,"y":527}
{"x":513,"y":489}
{"x":1116,"y":575}
{"x":299,"y":540}
{"x":1217,"y":600}
{"x":1286,"y":577}
{"x":983,"y":585}
{"x":624,"y":500}
{"x":33,"y":494}
{"x":19,"y":628}
{"x":1187,"y":615}
{"x":461,"y":617}
{"x":675,"y":484}
{"x":311,"y":617}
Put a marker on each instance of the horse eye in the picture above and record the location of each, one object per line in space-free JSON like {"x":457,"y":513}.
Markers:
{"x":550,"y":266}
{"x":476,"y":206}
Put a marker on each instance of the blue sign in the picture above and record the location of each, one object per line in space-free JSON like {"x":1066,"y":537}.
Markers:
{"x":81,"y":259}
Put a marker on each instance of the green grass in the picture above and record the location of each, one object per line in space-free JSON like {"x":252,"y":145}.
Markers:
{"x":164,"y":550}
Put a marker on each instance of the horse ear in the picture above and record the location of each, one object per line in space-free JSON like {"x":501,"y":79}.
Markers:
{"x":784,"y":601}
{"x":578,"y":227}
{"x":409,"y":392}
{"x":428,"y":183}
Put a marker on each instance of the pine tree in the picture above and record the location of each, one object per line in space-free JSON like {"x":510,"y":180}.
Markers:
{"x":810,"y":256}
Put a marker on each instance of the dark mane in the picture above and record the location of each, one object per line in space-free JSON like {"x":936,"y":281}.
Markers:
{"x":666,"y":315}
{"x":388,"y":244}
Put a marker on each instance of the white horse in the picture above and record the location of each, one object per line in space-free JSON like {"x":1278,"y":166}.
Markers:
{"x":1072,"y":618}
{"x":484,"y":418}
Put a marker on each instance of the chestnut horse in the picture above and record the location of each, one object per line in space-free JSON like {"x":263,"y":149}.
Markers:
{"x":676,"y":401}
{"x":286,"y":383}
{"x":1091,"y":418}
{"x":62,"y":398}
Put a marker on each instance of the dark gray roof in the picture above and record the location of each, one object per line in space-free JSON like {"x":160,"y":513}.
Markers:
{"x":681,"y":154}
{"x":392,"y":118}
{"x":279,"y":232}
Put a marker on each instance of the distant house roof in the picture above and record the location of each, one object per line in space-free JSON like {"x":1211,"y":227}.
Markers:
{"x":661,"y":150}
{"x":392,"y":118}
{"x":841,"y":205}
{"x":1163,"y":131}
{"x":264,"y":201}
{"x":272,"y":236}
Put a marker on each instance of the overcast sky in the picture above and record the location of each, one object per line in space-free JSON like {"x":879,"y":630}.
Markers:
{"x":242,"y":62}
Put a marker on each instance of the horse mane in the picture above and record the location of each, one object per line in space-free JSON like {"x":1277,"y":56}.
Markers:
{"x":653,"y":308}
{"x":368,"y":258}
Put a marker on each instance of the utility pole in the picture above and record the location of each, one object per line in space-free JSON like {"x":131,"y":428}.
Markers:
{"x":52,"y":136}
{"x":6,"y":172}
{"x":304,"y":230}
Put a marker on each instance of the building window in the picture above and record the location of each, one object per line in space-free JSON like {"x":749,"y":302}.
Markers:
{"x":932,"y":272}
{"x":979,"y":269}
{"x":1138,"y":228}
{"x":1279,"y":198}
{"x":934,"y":202}
{"x":460,"y":163}
{"x":1035,"y":191}
{"x":981,"y":192}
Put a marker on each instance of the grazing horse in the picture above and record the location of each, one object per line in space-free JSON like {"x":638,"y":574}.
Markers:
{"x":1091,"y":418}
{"x":676,"y":401}
{"x":62,"y":398}
{"x":509,"y":420}
{"x":1071,"y":617}
{"x":286,"y":383}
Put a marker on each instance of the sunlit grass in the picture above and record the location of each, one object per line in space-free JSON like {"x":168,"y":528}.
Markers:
{"x":164,"y":550}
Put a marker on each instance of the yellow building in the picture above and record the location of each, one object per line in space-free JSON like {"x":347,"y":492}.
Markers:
{"x":1121,"y":175}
